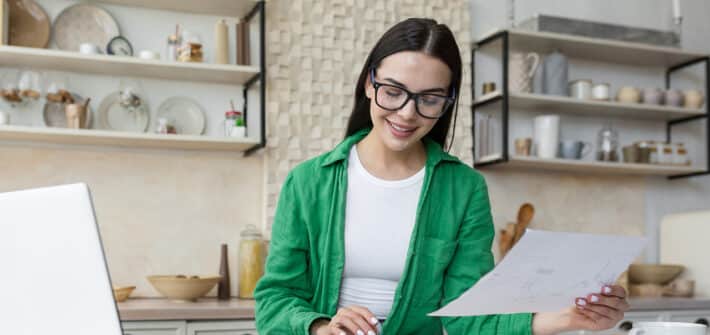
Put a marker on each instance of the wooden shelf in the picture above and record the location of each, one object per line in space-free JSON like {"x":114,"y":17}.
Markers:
{"x":581,"y":166}
{"x":58,"y":60}
{"x":229,"y":8}
{"x":598,"y":49}
{"x":567,"y":105}
{"x":123,"y":139}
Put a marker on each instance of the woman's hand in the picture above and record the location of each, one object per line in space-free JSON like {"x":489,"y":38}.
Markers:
{"x":353,"y":320}
{"x":596,"y":311}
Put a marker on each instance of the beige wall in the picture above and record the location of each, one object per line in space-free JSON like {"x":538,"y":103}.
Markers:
{"x":160,"y":212}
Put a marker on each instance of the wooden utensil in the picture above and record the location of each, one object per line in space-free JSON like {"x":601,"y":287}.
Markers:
{"x":525,"y":215}
{"x":507,"y":238}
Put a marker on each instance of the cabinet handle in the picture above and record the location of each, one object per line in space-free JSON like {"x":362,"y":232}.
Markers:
{"x":626,"y":325}
{"x":702,"y":321}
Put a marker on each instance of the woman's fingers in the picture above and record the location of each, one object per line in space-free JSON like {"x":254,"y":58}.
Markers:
{"x":609,"y":301}
{"x":364,"y":312}
{"x":614,"y":291}
{"x":602,"y":310}
{"x":351,"y":321}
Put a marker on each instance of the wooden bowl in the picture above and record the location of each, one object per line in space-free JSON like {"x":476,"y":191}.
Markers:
{"x":183,"y":288}
{"x":121,"y":293}
{"x":653,"y":273}
{"x":645,"y":290}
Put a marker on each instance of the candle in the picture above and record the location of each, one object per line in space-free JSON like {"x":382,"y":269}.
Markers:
{"x":676,"y":9}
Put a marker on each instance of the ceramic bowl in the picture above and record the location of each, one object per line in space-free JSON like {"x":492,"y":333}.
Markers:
{"x":654,"y":273}
{"x":121,"y":293}
{"x":183,"y":288}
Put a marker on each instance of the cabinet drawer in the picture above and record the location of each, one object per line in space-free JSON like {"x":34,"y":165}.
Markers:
{"x":154,"y":328}
{"x":222,"y":328}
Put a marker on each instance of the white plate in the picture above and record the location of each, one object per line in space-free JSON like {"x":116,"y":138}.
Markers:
{"x":113,"y":116}
{"x":185,"y":114}
{"x":84,"y":23}
{"x":54,"y":116}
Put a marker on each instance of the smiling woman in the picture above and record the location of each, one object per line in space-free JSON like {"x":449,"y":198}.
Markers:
{"x":387,"y":227}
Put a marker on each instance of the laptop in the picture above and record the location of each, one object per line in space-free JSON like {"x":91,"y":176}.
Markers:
{"x":53,"y":273}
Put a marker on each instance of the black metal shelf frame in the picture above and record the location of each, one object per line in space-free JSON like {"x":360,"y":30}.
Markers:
{"x":505,"y":99}
{"x":259,"y":8}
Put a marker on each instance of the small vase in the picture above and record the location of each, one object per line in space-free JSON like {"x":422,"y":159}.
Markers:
{"x":224,"y":291}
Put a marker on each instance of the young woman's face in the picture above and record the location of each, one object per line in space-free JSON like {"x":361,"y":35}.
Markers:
{"x":415,"y":72}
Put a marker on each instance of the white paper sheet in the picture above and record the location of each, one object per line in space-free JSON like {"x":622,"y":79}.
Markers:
{"x":546,"y":271}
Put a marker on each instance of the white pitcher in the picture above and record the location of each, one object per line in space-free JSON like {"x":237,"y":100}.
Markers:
{"x":521,"y":68}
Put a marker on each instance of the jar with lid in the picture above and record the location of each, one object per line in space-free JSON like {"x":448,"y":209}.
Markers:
{"x":171,"y":50}
{"x":667,"y":157}
{"x":230,"y":119}
{"x":191,"y":48}
{"x":680,"y":155}
{"x":252,"y":256}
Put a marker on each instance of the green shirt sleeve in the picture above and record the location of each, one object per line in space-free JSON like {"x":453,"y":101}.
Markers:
{"x":473,"y":259}
{"x":284,"y":293}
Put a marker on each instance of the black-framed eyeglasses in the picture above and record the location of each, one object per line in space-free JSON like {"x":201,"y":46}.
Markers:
{"x":393,"y":98}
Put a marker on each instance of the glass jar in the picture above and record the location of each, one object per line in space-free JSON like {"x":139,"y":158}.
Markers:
{"x":171,"y":50}
{"x":608,"y":144}
{"x":667,"y":157}
{"x":252,"y":256}
{"x":230,"y":119}
{"x":191,"y":48}
{"x":680,"y":156}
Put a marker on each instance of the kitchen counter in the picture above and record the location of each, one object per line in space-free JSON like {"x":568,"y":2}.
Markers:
{"x":145,"y":309}
{"x":652,"y":304}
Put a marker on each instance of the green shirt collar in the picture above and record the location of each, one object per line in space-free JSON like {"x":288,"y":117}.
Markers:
{"x":341,"y":152}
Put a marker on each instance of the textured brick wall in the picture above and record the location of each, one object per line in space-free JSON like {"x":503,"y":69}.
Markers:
{"x":315,"y":50}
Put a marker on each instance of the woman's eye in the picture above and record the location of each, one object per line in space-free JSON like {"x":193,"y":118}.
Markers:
{"x":393,"y":92}
{"x":431,"y":100}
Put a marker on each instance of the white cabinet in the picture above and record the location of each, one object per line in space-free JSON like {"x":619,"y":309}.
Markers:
{"x":221,"y":328}
{"x":154,"y":328}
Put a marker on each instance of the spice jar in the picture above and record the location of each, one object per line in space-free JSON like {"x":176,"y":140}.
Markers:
{"x":667,"y":156}
{"x":680,"y":156}
{"x":251,"y":261}
{"x":191,"y":48}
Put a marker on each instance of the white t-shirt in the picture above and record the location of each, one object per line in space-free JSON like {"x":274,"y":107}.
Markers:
{"x":379,"y":218}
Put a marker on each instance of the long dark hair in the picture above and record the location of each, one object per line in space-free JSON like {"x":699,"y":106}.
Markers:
{"x":414,"y":34}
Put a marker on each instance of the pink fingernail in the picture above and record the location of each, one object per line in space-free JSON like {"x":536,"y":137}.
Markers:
{"x":581,"y":302}
{"x":607,"y":289}
{"x":374,"y":321}
{"x":594,"y":298}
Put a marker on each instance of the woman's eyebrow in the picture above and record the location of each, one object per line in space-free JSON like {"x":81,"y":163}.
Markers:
{"x":430,"y":90}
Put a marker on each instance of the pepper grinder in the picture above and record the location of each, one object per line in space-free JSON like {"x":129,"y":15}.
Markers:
{"x":224,"y":291}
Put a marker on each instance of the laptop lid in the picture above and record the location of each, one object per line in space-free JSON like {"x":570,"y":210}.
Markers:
{"x":53,"y":273}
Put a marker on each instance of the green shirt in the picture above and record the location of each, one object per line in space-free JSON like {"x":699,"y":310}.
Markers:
{"x":449,"y":250}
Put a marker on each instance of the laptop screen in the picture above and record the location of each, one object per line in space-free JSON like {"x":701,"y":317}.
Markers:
{"x":53,"y":274}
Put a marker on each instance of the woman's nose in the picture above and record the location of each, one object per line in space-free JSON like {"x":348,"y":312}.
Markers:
{"x":409,"y":110}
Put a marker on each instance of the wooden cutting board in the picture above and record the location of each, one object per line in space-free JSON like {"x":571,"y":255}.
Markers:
{"x":685,"y":240}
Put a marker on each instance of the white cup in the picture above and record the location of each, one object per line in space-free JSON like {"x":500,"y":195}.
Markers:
{"x":4,"y":118}
{"x":546,"y":134}
{"x":89,"y":49}
{"x":149,"y":54}
{"x":666,"y":328}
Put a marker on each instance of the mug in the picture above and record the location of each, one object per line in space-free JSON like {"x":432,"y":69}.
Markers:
{"x":601,"y":92}
{"x":89,"y":49}
{"x":693,"y":99}
{"x":521,"y":69}
{"x":628,"y":94}
{"x":666,"y":328}
{"x":572,"y":149}
{"x":652,"y":96}
{"x":581,"y":89}
{"x":546,"y":134}
{"x":4,"y":118}
{"x":673,"y":98}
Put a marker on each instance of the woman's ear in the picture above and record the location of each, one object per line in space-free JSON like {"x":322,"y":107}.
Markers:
{"x":369,"y":90}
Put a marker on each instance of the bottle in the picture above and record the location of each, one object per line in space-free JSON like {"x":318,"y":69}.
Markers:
{"x":224,"y":290}
{"x":251,"y":261}
{"x":221,"y":34}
